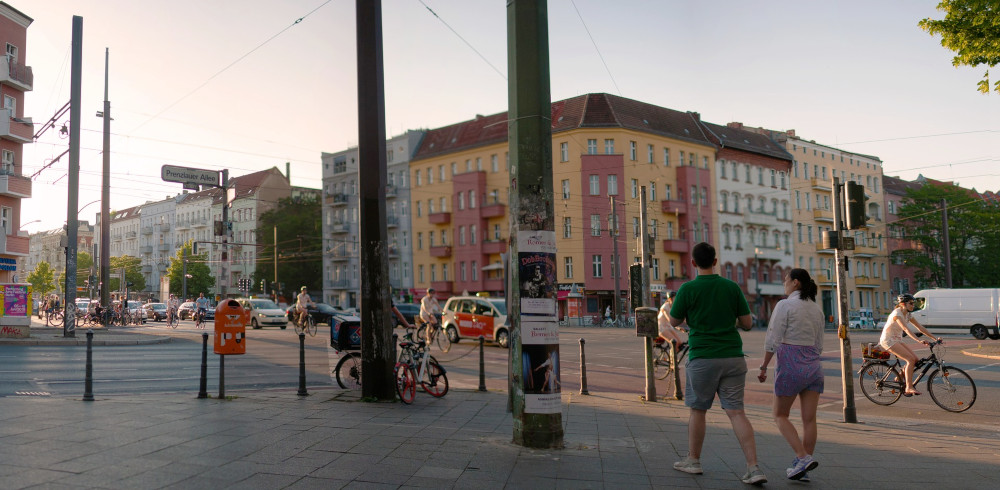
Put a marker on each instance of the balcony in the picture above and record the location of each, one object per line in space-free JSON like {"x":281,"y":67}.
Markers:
{"x":822,"y":250}
{"x":862,"y":251}
{"x":116,"y":237}
{"x":441,"y":286}
{"x":131,"y":235}
{"x":164,"y":227}
{"x":16,"y":130}
{"x":337,"y":283}
{"x":147,"y":230}
{"x":13,"y":185}
{"x":765,"y":253}
{"x":16,"y":74}
{"x":819,"y":185}
{"x":825,"y":280}
{"x":393,"y":252}
{"x":441,"y":251}
{"x":866,"y":282}
{"x":337,"y":200}
{"x":439,"y":218}
{"x":146,"y":249}
{"x":823,"y":215}
{"x":147,"y":269}
{"x":182,"y":225}
{"x":199,"y":222}
{"x":674,"y":207}
{"x":493,"y":210}
{"x":339,"y":227}
{"x":678,"y":246}
{"x":339,"y":254}
{"x":390,"y":192}
{"x":162,"y":267}
{"x":494,"y":246}
{"x":391,"y":221}
{"x":760,"y":219}
{"x":766,"y":288}
{"x":674,"y":283}
{"x":163,"y":247}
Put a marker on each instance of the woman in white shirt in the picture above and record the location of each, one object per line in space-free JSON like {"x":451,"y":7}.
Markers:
{"x":795,"y":335}
{"x":892,"y":338}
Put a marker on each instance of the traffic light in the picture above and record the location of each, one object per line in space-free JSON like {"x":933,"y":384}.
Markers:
{"x":218,"y":228}
{"x":194,"y":248}
{"x":263,"y":285}
{"x":856,"y":204}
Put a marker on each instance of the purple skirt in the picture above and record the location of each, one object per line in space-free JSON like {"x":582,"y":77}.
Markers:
{"x":798,"y":370}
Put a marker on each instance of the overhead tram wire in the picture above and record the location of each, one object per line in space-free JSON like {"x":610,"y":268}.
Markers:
{"x":227,"y":67}
{"x":612,"y":77}
{"x":438,"y":17}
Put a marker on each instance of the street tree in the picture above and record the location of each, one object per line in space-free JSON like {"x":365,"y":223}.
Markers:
{"x":42,"y":279}
{"x":299,"y":247}
{"x":201,"y":279}
{"x":973,"y":232}
{"x":133,"y":272}
{"x":970,"y":28}
{"x":84,"y":263}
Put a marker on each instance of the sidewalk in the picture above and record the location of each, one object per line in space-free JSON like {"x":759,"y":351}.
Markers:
{"x":332,"y":440}
{"x":44,"y":335}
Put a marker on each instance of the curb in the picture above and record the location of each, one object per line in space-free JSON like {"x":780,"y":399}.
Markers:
{"x":976,"y":354}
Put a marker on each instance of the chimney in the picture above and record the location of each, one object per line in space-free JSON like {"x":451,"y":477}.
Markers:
{"x":288,"y":172}
{"x":791,"y":133}
{"x":735,"y":125}
{"x":697,"y":116}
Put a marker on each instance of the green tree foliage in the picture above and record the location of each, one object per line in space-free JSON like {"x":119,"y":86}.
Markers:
{"x":973,"y":231}
{"x":84,"y":262}
{"x":42,"y":280}
{"x":133,"y":272}
{"x":201,"y":279}
{"x":970,"y":28}
{"x":300,"y":244}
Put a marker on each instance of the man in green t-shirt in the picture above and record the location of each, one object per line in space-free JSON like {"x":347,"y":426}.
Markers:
{"x":713,"y":307}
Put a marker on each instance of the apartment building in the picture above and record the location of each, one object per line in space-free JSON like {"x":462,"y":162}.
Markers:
{"x":603,"y":146}
{"x":50,"y":247}
{"x":901,"y":276}
{"x":341,"y":257}
{"x":16,"y":130}
{"x":814,"y":166}
{"x":157,"y":239}
{"x":754,"y":225}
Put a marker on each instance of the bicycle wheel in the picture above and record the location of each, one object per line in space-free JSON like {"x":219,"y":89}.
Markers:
{"x":442,"y":340}
{"x":406,"y":383}
{"x":951,"y":389}
{"x":422,"y":332}
{"x":298,"y":326}
{"x":54,"y":319}
{"x":349,"y":371}
{"x":880,"y":382}
{"x":173,"y":321}
{"x":435,"y":381}
{"x":661,"y":362}
{"x":311,"y":325}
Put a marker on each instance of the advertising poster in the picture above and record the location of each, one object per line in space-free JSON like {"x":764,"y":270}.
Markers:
{"x":539,"y":330}
{"x":542,"y":387}
{"x":536,"y":264}
{"x":15,"y":300}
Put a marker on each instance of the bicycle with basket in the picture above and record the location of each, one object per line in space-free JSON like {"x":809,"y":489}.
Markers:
{"x":882,"y":382}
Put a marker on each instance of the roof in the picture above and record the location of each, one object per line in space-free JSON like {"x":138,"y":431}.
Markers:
{"x":127,"y":213}
{"x":584,"y":111}
{"x":248,"y":184}
{"x":897,"y":186}
{"x":741,"y":139}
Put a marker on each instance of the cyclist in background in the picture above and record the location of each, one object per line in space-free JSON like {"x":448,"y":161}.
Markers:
{"x":667,"y":331}
{"x":172,"y":305}
{"x":892,"y":337}
{"x":430,"y":309}
{"x":302,"y":301}
{"x":201,"y":307}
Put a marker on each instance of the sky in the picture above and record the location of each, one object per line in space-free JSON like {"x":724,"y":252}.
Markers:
{"x":239,"y":84}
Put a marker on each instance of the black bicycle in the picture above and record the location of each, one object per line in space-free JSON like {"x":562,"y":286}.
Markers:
{"x":883,"y":384}
{"x":661,"y":359}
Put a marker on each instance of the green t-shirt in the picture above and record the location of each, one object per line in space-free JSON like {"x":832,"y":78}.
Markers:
{"x":711,"y":304}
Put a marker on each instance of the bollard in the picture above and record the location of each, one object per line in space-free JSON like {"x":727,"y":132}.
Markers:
{"x":203,"y":386}
{"x":482,"y":365}
{"x":88,"y":383}
{"x":395,"y":346}
{"x":222,"y":376}
{"x":302,"y":365}
{"x":583,"y":369}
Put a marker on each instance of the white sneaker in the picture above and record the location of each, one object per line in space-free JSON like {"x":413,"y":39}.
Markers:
{"x":754,"y":476}
{"x":801,"y":466}
{"x":689,"y":465}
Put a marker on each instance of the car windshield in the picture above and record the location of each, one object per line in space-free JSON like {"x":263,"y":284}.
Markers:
{"x":264,"y":304}
{"x":187,"y":305}
{"x":500,"y":305}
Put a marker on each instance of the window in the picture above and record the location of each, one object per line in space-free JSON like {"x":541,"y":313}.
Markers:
{"x":441,"y":175}
{"x":612,"y":185}
{"x":461,"y":235}
{"x":567,"y":227}
{"x":781,"y":179}
{"x":666,"y":192}
{"x":444,"y":204}
{"x":596,"y":263}
{"x":568,"y":267}
{"x":496,"y":232}
{"x":563,"y":152}
{"x":595,"y":185}
{"x":419,"y":209}
{"x":666,"y":157}
{"x":747,"y":169}
{"x":704,"y":196}
{"x":444,"y":272}
{"x":461,"y":201}
{"x":595,"y":225}
{"x":635,"y":188}
{"x":652,"y":228}
{"x":722,"y":169}
{"x":494,"y":164}
{"x":475,"y":270}
{"x":468,"y":165}
{"x":12,"y":52}
{"x":472,"y":199}
{"x":760,"y":176}
{"x":430,"y":239}
{"x":10,"y":103}
{"x":632,"y":153}
{"x":694,"y":195}
{"x":649,"y":153}
{"x":635,"y":227}
{"x":479,"y":164}
{"x":680,"y":161}
{"x":691,"y":159}
{"x":656,"y":268}
{"x":430,"y":177}
{"x":420,"y":272}
{"x":472,"y":234}
{"x":672,"y":268}
{"x":444,"y":239}
{"x":592,"y":147}
{"x":454,"y":169}
{"x":774,"y":180}
{"x":723,"y":201}
{"x":652,"y":191}
{"x":565,"y":189}
{"x":609,"y":147}
{"x":7,"y":163}
{"x":434,"y":272}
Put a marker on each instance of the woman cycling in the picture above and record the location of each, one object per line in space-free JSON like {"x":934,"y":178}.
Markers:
{"x":892,"y":337}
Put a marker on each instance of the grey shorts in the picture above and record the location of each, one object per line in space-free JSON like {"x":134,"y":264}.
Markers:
{"x":707,"y":377}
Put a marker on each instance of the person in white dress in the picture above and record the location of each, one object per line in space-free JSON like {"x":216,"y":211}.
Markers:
{"x":892,"y":337}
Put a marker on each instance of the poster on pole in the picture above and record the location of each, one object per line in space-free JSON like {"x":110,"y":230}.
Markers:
{"x":536,"y":264}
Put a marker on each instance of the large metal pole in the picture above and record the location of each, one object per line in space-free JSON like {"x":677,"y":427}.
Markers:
{"x":184,"y":273}
{"x":274,"y":285}
{"x":846,"y":368}
{"x":376,"y":335}
{"x":647,"y":299}
{"x":73,"y":183}
{"x":105,"y":280}
{"x":224,"y":265}
{"x":946,"y":245}
{"x":537,"y":407}
{"x":615,"y":265}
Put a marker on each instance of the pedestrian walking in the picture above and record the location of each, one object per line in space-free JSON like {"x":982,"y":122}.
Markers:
{"x":795,"y":337}
{"x":713,"y":307}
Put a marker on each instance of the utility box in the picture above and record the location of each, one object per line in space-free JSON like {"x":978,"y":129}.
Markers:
{"x":645,"y":322}
{"x":230,"y":328}
{"x":345,"y":332}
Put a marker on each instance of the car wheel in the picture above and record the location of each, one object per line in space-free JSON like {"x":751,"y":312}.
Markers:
{"x":452,"y":334}
{"x":254,"y":324}
{"x":979,"y":332}
{"x":503,"y":338}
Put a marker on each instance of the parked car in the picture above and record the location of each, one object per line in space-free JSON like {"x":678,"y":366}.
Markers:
{"x":410,"y":312}
{"x":320,"y":314}
{"x":264,"y":313}
{"x":156,"y":311}
{"x":185,"y":310}
{"x":468,"y":317}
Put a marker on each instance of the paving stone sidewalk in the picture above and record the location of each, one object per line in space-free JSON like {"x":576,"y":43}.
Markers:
{"x":331,"y":439}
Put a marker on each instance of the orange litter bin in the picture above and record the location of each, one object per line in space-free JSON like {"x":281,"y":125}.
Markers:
{"x":230,"y":328}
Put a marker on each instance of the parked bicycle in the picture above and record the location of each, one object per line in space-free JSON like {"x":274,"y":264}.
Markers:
{"x":348,"y":371}
{"x":881,"y":382}
{"x":416,"y":366}
{"x":54,"y":317}
{"x":621,"y":322}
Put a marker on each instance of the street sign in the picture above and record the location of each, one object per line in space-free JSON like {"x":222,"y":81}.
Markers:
{"x":185,"y":175}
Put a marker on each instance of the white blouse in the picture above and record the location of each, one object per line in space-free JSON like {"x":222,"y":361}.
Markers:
{"x":795,"y":321}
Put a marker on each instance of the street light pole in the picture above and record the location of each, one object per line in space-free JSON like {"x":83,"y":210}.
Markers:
{"x":756,"y":280}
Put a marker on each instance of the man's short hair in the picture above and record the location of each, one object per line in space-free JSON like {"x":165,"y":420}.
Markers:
{"x":704,"y":255}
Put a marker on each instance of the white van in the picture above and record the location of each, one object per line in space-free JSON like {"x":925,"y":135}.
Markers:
{"x":959,"y":310}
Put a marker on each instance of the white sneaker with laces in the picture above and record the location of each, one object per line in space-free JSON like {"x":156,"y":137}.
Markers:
{"x":689,"y":465}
